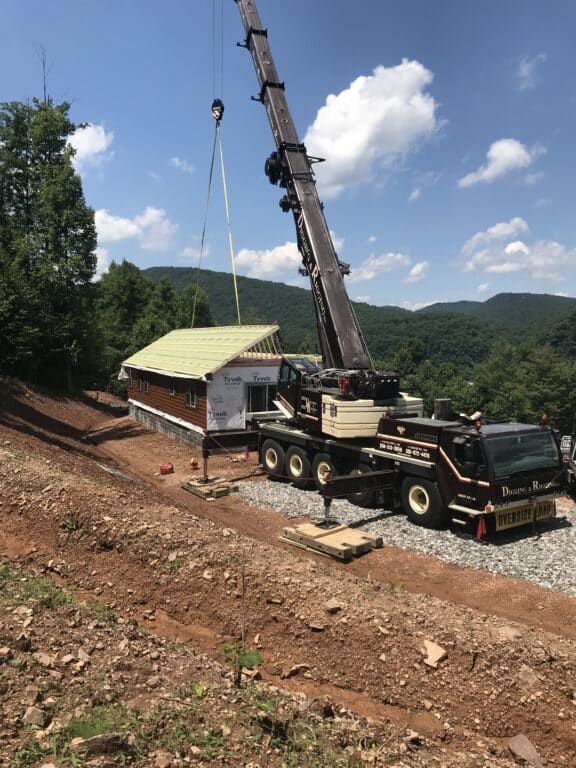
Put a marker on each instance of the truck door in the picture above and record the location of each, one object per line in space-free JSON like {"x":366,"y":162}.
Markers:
{"x":289,"y":384}
{"x":467,"y":470}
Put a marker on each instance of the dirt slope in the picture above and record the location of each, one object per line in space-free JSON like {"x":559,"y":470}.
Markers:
{"x":166,"y":561}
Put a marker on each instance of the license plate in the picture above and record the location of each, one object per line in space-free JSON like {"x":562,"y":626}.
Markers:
{"x":510,"y":518}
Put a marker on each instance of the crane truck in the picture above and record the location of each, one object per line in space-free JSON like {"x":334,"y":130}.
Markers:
{"x":348,"y":429}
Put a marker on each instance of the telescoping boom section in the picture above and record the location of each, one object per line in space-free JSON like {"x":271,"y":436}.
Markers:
{"x":290,"y":167}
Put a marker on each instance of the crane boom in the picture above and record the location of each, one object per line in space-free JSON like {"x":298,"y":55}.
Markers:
{"x":290,"y":166}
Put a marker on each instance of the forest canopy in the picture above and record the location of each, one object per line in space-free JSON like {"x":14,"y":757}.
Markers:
{"x":511,"y":357}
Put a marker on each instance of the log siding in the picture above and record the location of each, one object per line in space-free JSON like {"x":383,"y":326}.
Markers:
{"x":185,"y":399}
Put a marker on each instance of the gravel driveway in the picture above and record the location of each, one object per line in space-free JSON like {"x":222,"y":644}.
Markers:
{"x":546,"y":557}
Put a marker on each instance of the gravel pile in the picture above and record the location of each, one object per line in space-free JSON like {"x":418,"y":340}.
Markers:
{"x":546,"y":558}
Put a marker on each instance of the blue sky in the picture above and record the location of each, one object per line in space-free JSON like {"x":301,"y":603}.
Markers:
{"x":447,"y":128}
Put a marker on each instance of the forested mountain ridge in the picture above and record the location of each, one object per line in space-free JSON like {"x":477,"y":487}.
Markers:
{"x":459,"y":332}
{"x":509,"y":309}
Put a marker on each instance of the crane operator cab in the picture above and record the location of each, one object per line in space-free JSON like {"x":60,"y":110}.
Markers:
{"x":291,"y":377}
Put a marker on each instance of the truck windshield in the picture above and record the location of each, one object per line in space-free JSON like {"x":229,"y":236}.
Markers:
{"x":517,"y":454}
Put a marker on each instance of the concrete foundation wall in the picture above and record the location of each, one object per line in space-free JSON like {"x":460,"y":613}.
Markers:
{"x":165,"y":427}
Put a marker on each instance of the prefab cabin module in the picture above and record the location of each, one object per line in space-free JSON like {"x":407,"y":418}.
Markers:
{"x":205,"y":385}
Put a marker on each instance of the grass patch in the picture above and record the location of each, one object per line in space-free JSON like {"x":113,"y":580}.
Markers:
{"x":28,"y":754}
{"x":174,"y":566}
{"x":43,"y":592}
{"x":98,"y":721}
{"x":39,"y":590}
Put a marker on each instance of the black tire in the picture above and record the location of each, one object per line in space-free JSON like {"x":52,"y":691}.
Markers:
{"x":273,"y":458}
{"x":362,"y":498}
{"x":423,"y":504}
{"x":322,"y":465}
{"x":298,"y":467}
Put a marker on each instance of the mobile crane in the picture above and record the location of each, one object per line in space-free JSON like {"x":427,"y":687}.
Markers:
{"x":347,"y":428}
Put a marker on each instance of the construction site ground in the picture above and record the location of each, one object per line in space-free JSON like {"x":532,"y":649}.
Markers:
{"x":159,"y":584}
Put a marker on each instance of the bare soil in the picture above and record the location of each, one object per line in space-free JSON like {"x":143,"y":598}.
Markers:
{"x":82,"y":500}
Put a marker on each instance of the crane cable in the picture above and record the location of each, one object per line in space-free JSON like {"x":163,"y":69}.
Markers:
{"x":217,"y":114}
{"x":210,"y":175}
{"x":227,"y":207}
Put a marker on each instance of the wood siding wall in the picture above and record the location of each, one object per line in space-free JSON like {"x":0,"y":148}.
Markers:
{"x":159,"y":395}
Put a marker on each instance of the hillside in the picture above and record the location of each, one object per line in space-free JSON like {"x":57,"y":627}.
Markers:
{"x":509,"y":309}
{"x":120,"y":592}
{"x":446,"y":337}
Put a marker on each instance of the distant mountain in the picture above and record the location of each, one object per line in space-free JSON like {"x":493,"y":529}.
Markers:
{"x":509,"y":309}
{"x":447,"y":336}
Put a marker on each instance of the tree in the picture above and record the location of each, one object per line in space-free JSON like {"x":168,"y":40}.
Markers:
{"x":194,"y":308}
{"x":48,"y":241}
{"x":160,"y":315}
{"x":123,"y":294}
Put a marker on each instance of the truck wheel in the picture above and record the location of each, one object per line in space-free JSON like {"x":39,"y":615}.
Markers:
{"x":272,"y":458}
{"x":322,"y":465}
{"x":423,"y":504}
{"x":298,"y":467}
{"x":362,"y":498}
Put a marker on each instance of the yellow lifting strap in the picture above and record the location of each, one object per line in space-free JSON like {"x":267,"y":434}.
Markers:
{"x":227,"y":207}
{"x":204,"y":228}
{"x":217,"y":113}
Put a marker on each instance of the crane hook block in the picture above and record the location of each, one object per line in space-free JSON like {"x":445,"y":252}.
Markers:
{"x":217,"y":109}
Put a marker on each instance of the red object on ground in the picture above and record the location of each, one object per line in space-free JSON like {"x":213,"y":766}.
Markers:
{"x":166,"y":469}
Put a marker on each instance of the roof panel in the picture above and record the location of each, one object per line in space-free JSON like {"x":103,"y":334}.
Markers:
{"x":198,"y":351}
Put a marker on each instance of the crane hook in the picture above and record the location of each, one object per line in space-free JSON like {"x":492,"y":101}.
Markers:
{"x":217,"y":110}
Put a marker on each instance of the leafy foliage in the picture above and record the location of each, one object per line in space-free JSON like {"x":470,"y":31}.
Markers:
{"x":47,"y":244}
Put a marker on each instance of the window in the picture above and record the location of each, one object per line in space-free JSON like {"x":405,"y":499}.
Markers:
{"x":172,"y":387}
{"x":145,"y":385}
{"x":191,"y":398}
{"x":261,"y":398}
{"x":522,"y":452}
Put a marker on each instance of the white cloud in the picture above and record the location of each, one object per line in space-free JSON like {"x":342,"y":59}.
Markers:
{"x":423,"y":181}
{"x":414,"y":307}
{"x":418,"y":272}
{"x":90,"y":145}
{"x":504,"y":230}
{"x":372,"y":125}
{"x":503,"y":157}
{"x":151,"y":228}
{"x":376,"y":265}
{"x":281,"y":260}
{"x":270,"y":262}
{"x":533,"y":178}
{"x":181,"y":164}
{"x":372,"y":239}
{"x":526,"y":73}
{"x":483,"y":288}
{"x":361,"y":299}
{"x":542,"y":202}
{"x":190,"y":253}
{"x":498,"y":250}
{"x":102,"y":262}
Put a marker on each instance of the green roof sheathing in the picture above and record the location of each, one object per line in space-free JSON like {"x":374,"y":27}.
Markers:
{"x":197,"y":351}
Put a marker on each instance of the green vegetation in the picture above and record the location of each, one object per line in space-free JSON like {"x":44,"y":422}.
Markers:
{"x":40,"y":591}
{"x":239,"y":657}
{"x":512,"y":356}
{"x":47,"y":245}
{"x":28,"y":754}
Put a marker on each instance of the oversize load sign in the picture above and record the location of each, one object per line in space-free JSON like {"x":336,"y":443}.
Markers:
{"x":510,"y":518}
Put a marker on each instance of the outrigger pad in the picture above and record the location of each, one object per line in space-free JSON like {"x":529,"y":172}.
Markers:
{"x":331,"y":539}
